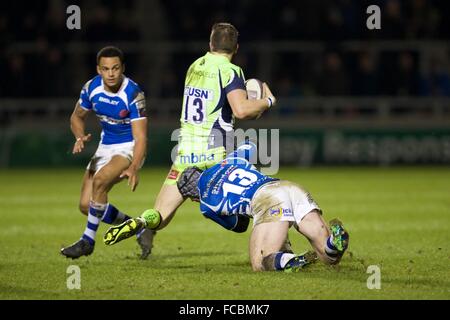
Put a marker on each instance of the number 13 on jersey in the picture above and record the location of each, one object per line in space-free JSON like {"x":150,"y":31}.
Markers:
{"x":195,"y":103}
{"x":238,"y":180}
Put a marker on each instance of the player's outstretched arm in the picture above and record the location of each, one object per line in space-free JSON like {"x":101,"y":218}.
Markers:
{"x":77,"y":126}
{"x":139,"y":129}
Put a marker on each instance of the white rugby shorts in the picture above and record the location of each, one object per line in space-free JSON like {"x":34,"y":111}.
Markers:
{"x":105,"y":152}
{"x":281,"y":201}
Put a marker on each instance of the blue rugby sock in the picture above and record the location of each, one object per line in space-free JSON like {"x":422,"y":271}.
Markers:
{"x":330,"y":250}
{"x":282,"y":259}
{"x":101,"y":212}
{"x":113,"y":216}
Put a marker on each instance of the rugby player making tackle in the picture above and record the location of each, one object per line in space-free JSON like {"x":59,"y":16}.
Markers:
{"x":233,"y":192}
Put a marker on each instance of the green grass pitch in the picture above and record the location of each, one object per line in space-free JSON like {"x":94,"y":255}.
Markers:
{"x":398,"y":220}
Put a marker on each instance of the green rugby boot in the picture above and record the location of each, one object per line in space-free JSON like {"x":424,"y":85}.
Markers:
{"x":123,"y":231}
{"x":340,"y":236}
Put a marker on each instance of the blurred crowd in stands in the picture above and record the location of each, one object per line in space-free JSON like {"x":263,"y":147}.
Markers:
{"x":34,"y":59}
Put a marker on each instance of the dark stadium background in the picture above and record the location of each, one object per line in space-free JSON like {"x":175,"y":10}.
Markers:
{"x":347,"y":95}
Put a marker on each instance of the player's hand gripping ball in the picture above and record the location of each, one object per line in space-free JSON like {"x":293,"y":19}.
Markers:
{"x":254,"y":89}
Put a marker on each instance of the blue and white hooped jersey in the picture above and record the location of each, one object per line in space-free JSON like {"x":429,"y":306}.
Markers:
{"x":116,"y":111}
{"x":227,"y":188}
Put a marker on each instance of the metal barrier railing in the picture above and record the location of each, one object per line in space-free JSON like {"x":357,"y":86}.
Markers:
{"x":289,"y":111}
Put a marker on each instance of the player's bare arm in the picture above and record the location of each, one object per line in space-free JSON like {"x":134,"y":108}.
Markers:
{"x":77,"y":126}
{"x":244,"y":108}
{"x":139,"y":128}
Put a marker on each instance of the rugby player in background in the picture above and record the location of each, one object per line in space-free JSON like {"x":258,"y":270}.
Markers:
{"x":119,"y":104}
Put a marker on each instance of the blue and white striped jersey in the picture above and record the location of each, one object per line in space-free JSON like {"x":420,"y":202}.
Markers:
{"x":227,"y":188}
{"x":116,"y":111}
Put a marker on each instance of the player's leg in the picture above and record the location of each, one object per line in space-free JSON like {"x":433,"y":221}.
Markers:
{"x":107,"y":177}
{"x":112,"y":215}
{"x":167,"y":202}
{"x":82,"y":247}
{"x":329,"y":243}
{"x":309,"y":222}
{"x":86,"y":192}
{"x":272,"y":211}
{"x":267,"y":244}
{"x":266,"y":239}
{"x":99,"y":208}
{"x":169,"y":198}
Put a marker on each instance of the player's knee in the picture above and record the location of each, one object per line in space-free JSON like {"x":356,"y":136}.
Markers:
{"x":257,"y":263}
{"x":100,"y":183}
{"x":267,"y":263}
{"x":257,"y":266}
{"x":84,"y":208}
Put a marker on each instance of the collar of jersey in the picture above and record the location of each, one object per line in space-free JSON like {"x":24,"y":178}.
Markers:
{"x":217,"y":57}
{"x":112,"y":94}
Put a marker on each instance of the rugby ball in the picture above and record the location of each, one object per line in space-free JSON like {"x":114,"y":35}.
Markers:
{"x":254,"y":89}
